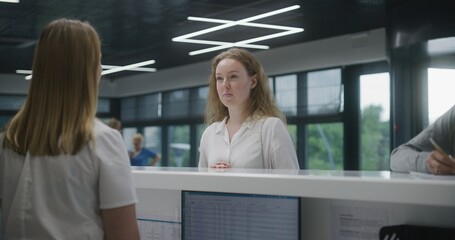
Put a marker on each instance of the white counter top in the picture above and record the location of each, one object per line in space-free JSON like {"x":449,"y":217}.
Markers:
{"x":378,"y":186}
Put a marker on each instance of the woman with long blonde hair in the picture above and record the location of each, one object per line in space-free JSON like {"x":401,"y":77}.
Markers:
{"x":246,"y":128}
{"x":63,"y":173}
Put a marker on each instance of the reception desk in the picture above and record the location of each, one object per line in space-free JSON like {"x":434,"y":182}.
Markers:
{"x":334,"y":204}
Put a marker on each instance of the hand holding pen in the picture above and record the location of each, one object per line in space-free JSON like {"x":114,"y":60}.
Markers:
{"x":439,"y":162}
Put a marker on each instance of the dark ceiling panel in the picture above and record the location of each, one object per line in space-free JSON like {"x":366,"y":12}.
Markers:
{"x":138,"y":30}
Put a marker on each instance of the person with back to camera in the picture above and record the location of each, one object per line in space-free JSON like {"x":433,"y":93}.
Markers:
{"x":115,"y":124}
{"x":246,"y":129}
{"x":420,"y":155}
{"x":141,"y":156}
{"x":63,"y":173}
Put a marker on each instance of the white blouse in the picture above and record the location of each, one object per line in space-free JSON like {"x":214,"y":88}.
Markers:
{"x":259,"y":143}
{"x":60,"y":197}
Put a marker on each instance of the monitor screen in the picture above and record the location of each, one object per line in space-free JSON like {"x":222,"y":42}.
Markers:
{"x":210,"y":215}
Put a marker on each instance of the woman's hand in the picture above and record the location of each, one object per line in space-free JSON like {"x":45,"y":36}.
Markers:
{"x":221,"y":164}
{"x":440,"y":164}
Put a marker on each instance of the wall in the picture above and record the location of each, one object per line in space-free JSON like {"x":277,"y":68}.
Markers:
{"x":331,"y":52}
{"x":13,"y":84}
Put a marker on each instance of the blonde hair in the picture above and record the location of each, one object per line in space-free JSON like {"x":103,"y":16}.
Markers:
{"x":138,"y":136}
{"x":261,"y":101}
{"x":58,"y":114}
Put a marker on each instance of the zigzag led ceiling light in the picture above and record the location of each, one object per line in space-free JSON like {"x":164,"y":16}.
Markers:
{"x":110,"y":69}
{"x":218,"y":45}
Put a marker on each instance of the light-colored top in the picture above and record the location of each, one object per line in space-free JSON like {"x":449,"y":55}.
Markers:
{"x":413,"y":155}
{"x":60,"y":197}
{"x":259,"y":143}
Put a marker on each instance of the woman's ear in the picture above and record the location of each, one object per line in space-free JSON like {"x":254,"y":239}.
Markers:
{"x":254,"y":81}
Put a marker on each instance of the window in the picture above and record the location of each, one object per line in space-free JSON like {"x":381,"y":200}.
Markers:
{"x":325,"y":146}
{"x":179,"y":146}
{"x":375,"y":121}
{"x":176,"y":104}
{"x":145,"y":107}
{"x":152,"y":140}
{"x":271,"y":86}
{"x":323,"y":92}
{"x":149,"y":107}
{"x":104,"y":105}
{"x":198,"y":101}
{"x":441,"y":83}
{"x":128,"y":134}
{"x":4,"y":119}
{"x":292,"y":129}
{"x":319,"y":142}
{"x":128,"y":109}
{"x":11,"y":102}
{"x":312,"y":102}
{"x":199,"y":130}
{"x":286,"y":94}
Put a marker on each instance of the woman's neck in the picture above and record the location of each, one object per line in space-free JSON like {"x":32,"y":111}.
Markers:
{"x":236,"y":117}
{"x":234,"y":122}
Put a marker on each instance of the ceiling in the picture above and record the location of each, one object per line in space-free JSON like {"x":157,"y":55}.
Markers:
{"x":137,"y":30}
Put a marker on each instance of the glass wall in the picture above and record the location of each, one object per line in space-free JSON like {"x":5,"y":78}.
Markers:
{"x":199,"y":130}
{"x":179,"y":145}
{"x":375,"y":121}
{"x":11,"y":102}
{"x":441,"y":83}
{"x":152,"y":140}
{"x":312,"y":101}
{"x":9,"y":105}
{"x":4,"y":119}
{"x":325,"y":146}
{"x":324,"y":91}
{"x":286,"y":94}
{"x":104,"y":106}
{"x":176,"y":104}
{"x":292,"y":129}
{"x":172,"y":121}
{"x":141,"y":108}
{"x":198,"y":101}
{"x":128,"y":134}
{"x":313,"y":97}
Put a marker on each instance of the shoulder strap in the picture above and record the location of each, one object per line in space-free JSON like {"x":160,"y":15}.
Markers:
{"x":262,"y":144}
{"x":265,"y":164}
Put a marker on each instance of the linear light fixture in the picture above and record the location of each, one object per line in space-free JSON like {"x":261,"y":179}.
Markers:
{"x":127,"y":67}
{"x":28,"y":72}
{"x":111,"y":68}
{"x":21,"y":71}
{"x":243,"y":22}
{"x":10,"y":1}
{"x":138,"y":69}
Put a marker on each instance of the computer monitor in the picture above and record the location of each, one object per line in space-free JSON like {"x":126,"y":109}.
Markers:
{"x":217,"y":216}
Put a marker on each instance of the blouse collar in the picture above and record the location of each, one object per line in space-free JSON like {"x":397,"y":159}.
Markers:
{"x":249,"y":123}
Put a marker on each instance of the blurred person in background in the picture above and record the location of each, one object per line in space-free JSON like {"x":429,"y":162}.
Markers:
{"x":141,"y":156}
{"x":115,"y":124}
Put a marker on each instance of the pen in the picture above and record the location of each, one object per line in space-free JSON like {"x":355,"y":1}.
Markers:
{"x":437,"y":147}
